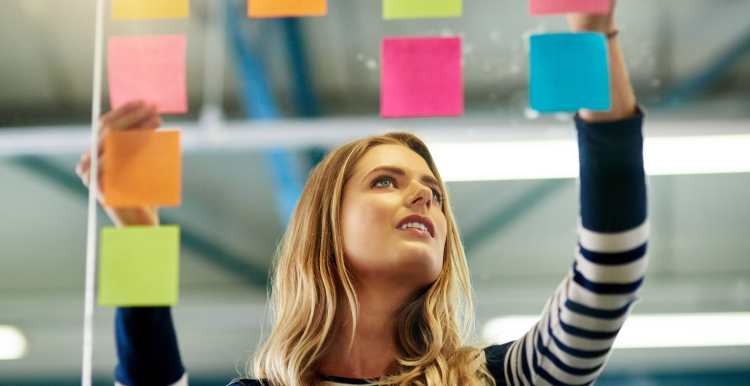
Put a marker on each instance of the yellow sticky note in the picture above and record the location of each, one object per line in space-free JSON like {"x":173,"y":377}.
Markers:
{"x":150,"y":9}
{"x":139,"y":266}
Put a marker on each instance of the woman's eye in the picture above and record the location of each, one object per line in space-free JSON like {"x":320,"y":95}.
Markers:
{"x":384,"y":182}
{"x":436,"y":195}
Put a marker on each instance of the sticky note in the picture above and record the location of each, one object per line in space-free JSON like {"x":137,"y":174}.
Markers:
{"x":149,"y":68}
{"x":569,"y":72}
{"x":546,"y":7}
{"x":150,"y":9}
{"x":139,"y":266}
{"x":421,"y":77}
{"x":413,"y":9}
{"x":142,"y":168}
{"x":286,"y":8}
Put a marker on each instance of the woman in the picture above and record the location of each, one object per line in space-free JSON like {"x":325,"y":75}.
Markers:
{"x":372,"y":286}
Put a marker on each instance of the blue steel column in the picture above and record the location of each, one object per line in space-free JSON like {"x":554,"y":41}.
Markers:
{"x":259,"y":103}
{"x":302,"y":93}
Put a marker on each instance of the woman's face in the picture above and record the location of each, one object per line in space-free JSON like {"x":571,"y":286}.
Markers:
{"x":393,"y":224}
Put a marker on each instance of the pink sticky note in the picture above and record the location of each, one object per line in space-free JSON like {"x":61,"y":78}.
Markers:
{"x":148,"y":68}
{"x":546,"y":7}
{"x":421,"y":77}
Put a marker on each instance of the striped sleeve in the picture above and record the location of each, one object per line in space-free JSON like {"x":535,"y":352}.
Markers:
{"x":147,"y":350}
{"x":573,"y":339}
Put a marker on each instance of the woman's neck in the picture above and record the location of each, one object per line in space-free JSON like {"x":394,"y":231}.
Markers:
{"x":374,"y":347}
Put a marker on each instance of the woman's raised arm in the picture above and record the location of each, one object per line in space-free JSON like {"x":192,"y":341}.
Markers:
{"x":572,"y":342}
{"x":146,"y":341}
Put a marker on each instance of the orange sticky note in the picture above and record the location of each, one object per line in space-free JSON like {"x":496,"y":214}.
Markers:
{"x":142,"y":167}
{"x":286,"y":8}
{"x":150,"y":9}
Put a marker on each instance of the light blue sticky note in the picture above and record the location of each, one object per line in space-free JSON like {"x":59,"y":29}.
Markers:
{"x":569,"y":71}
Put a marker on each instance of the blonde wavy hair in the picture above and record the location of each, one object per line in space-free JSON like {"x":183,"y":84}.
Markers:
{"x":311,"y":280}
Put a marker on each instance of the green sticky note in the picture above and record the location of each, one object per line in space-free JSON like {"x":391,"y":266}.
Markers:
{"x":139,"y":266}
{"x":414,"y":9}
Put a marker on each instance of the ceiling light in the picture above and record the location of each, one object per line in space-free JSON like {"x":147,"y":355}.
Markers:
{"x":13,"y":343}
{"x":512,"y":160}
{"x":649,"y":330}
{"x":548,"y":159}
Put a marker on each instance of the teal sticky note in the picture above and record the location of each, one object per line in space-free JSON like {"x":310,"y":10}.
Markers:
{"x":417,"y":9}
{"x":569,"y":71}
{"x":139,"y":266}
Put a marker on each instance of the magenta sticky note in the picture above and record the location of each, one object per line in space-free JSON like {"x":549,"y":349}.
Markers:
{"x":546,"y":7}
{"x":421,"y":77}
{"x":148,"y":68}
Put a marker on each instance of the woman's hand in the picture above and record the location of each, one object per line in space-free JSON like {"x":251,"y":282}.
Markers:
{"x":580,"y":22}
{"x":132,"y":116}
{"x":621,"y":91}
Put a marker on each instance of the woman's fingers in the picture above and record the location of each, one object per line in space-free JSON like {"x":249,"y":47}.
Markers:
{"x":132,"y":119}
{"x":123,"y":110}
{"x":126,"y":117}
{"x":83,"y":166}
{"x":134,"y":115}
{"x":150,"y":121}
{"x":140,"y":121}
{"x":81,"y":171}
{"x":111,"y":118}
{"x":580,"y":22}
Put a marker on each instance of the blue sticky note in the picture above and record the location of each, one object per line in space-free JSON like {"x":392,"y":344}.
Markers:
{"x":569,"y":71}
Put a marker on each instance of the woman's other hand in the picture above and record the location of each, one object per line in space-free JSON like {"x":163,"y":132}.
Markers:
{"x":132,"y":116}
{"x":622,"y":97}
{"x":580,"y":22}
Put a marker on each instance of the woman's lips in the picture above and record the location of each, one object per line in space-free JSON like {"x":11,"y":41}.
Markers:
{"x":416,"y":223}
{"x":417,"y":232}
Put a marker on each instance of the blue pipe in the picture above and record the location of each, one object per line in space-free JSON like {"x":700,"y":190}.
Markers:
{"x":710,"y":75}
{"x":259,"y":103}
{"x":304,"y":98}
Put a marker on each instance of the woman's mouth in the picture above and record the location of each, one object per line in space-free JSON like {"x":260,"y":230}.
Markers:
{"x":418,"y":225}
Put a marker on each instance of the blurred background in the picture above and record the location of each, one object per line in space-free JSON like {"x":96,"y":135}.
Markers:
{"x":268,"y":98}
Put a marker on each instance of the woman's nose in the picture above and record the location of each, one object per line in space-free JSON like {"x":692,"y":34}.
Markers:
{"x":423,"y":196}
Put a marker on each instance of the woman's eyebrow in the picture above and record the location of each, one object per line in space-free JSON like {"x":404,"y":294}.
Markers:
{"x":427,"y":179}
{"x":390,"y":169}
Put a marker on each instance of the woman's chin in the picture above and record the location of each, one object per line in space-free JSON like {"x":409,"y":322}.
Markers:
{"x":406,"y":261}
{"x":420,"y":262}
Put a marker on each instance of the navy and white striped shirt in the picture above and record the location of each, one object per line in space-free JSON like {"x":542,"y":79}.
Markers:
{"x":573,"y":339}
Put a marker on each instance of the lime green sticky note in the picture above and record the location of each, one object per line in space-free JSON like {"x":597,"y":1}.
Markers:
{"x":414,"y":9}
{"x":139,"y":266}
